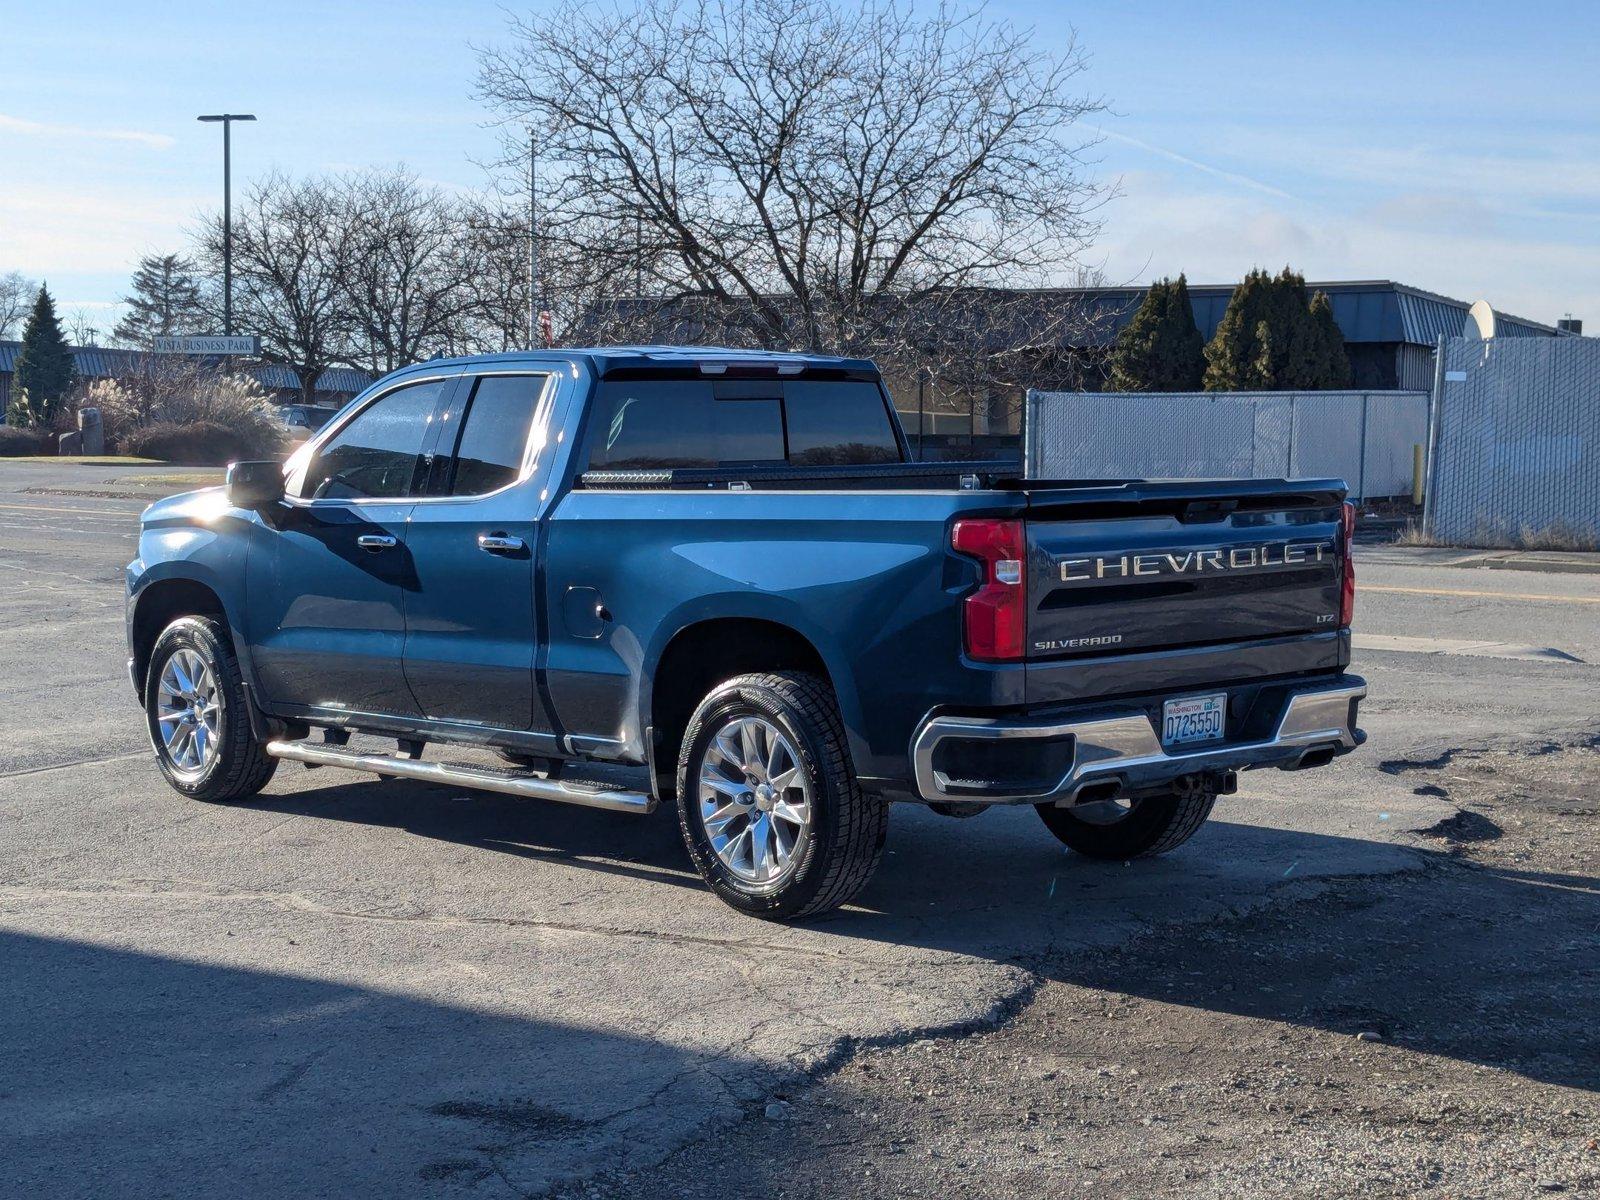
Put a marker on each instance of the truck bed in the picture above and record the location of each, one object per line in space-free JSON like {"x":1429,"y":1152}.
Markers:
{"x":1043,"y":495}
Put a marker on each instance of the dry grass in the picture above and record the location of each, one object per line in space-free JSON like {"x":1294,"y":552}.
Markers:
{"x":198,"y":478}
{"x":85,"y":460}
{"x":1557,"y":536}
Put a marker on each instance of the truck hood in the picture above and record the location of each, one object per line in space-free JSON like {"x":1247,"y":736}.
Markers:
{"x":199,"y":507}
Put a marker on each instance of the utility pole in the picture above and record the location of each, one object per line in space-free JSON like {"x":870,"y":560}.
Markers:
{"x":227,"y":120}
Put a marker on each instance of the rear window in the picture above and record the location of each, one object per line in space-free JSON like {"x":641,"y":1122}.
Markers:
{"x":837,"y":422}
{"x":658,"y":424}
{"x":494,"y":435}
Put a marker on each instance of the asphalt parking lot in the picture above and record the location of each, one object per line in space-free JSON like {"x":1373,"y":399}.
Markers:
{"x":353,"y":987}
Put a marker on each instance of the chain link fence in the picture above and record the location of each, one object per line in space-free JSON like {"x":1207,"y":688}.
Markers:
{"x":1517,"y":443}
{"x":1365,"y":438}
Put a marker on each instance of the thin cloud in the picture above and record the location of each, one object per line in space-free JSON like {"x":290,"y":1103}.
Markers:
{"x":139,"y":137}
{"x":1196,"y":164}
{"x":1216,"y":235}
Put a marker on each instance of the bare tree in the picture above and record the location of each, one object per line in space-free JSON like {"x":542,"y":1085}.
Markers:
{"x":81,"y":329}
{"x":16,"y":298}
{"x":798,"y":173}
{"x":495,"y":240}
{"x":293,"y":253}
{"x":409,"y":285}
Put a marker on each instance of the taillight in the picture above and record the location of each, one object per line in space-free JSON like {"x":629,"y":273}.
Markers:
{"x":997,"y":613}
{"x":1347,"y":592}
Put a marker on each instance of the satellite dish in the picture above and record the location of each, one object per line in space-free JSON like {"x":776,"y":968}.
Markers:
{"x":1480,"y":322}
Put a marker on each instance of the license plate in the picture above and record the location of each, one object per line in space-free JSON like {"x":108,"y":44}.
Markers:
{"x":1193,"y":719}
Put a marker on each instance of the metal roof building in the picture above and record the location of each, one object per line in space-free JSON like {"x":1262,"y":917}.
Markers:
{"x":1390,"y":329}
{"x":334,"y":386}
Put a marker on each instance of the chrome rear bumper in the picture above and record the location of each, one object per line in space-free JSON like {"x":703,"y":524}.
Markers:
{"x":1124,"y":747}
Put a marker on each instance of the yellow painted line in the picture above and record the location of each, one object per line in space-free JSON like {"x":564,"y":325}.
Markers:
{"x":1377,"y":587}
{"x":115,"y":513}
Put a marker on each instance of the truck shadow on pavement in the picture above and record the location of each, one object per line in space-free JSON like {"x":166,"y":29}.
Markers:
{"x":133,"y":1074}
{"x":1484,"y":963}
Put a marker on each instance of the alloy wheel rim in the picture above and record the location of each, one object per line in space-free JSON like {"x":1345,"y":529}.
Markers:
{"x":188,"y":712}
{"x":755,"y":802}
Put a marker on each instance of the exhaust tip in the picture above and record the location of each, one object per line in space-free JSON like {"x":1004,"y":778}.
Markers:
{"x":1093,"y":793}
{"x":1320,"y":756}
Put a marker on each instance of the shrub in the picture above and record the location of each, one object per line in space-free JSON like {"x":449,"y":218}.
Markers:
{"x":23,"y":443}
{"x":1502,"y":536}
{"x":200,"y":443}
{"x":166,"y":394}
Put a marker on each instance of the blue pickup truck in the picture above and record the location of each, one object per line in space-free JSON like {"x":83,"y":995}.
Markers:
{"x":714,"y":577}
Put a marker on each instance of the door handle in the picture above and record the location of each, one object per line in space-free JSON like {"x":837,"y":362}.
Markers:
{"x":375,"y":541}
{"x":499,"y":543}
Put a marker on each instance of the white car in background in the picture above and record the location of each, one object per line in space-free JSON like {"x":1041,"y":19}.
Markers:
{"x":302,"y":420}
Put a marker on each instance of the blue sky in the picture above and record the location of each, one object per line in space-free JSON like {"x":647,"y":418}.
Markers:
{"x":1453,"y":146}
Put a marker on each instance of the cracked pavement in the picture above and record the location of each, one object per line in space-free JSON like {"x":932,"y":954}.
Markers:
{"x":351,"y":986}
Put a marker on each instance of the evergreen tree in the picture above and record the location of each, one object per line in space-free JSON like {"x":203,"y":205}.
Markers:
{"x":1272,"y":339}
{"x":1234,"y":358}
{"x":1289,"y":344}
{"x":1333,"y":364}
{"x":1161,"y":349}
{"x":165,"y":301}
{"x":1187,"y":353}
{"x":44,"y":371}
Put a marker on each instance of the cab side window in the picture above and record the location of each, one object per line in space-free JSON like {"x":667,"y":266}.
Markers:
{"x":493,"y":441}
{"x":378,"y":454}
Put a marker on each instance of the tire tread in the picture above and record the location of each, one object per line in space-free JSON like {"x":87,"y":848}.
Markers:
{"x":1144,"y":833}
{"x":861,"y":821}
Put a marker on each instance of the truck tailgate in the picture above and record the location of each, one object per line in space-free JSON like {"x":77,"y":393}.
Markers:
{"x":1173,"y":565}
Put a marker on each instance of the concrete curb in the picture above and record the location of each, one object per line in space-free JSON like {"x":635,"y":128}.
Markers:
{"x":1571,"y":563}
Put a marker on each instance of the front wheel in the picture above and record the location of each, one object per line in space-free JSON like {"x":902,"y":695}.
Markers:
{"x":1118,"y":830}
{"x":770,"y":808}
{"x":195,"y":709}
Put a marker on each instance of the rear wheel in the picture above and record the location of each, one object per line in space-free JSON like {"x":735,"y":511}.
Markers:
{"x":1117,"y":830}
{"x":529,"y":762}
{"x":770,"y":808}
{"x":195,"y":709}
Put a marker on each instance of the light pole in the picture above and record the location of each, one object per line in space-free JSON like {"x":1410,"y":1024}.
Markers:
{"x":535,"y":305}
{"x":227,"y":120}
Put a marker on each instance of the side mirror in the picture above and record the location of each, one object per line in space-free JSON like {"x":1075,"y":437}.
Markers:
{"x":255,"y":485}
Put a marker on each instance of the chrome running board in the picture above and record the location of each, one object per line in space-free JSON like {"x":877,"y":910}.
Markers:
{"x":510,"y":783}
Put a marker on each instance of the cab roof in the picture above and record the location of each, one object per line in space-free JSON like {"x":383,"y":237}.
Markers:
{"x":712,"y":360}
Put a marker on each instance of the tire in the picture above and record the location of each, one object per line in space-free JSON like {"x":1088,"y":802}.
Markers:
{"x":1152,"y":825}
{"x":528,"y":762}
{"x":226,"y":761}
{"x":794,"y":722}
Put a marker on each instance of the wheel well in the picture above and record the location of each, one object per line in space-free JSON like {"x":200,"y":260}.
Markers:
{"x":701,"y":656}
{"x":163,"y":603}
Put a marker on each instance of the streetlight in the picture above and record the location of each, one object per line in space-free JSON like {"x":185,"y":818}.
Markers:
{"x":538,"y":320}
{"x":227,"y":120}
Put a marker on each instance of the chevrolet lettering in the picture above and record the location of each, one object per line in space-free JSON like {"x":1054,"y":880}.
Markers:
{"x":718,"y":580}
{"x":1147,"y":563}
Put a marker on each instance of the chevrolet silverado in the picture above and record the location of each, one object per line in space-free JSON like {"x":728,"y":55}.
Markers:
{"x":716,"y":578}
